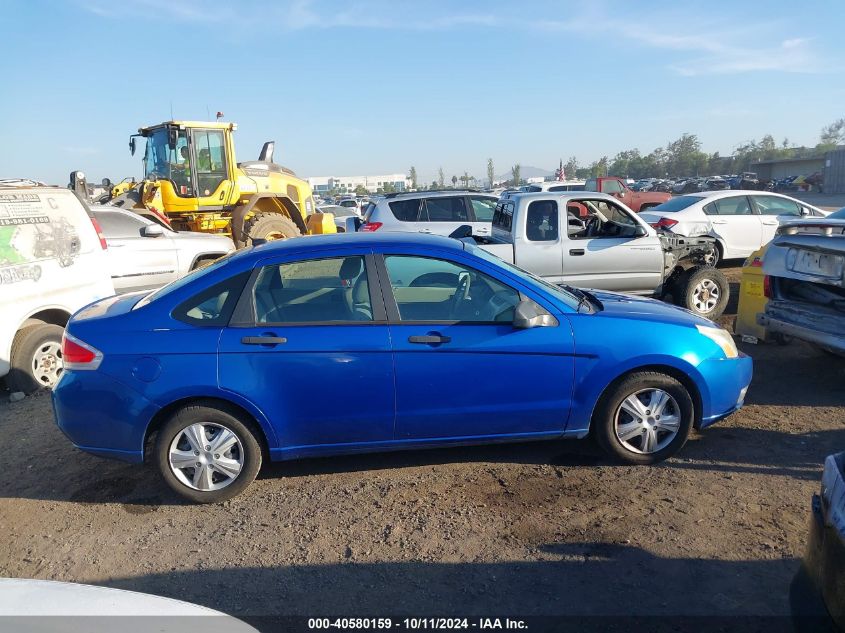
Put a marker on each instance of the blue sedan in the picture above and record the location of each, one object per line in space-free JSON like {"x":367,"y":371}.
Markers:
{"x":372,"y":342}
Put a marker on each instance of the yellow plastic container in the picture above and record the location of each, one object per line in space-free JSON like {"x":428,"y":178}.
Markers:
{"x":752,"y":298}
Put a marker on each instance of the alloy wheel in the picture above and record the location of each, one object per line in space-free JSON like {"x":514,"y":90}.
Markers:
{"x":705,"y":296}
{"x":647,"y":421}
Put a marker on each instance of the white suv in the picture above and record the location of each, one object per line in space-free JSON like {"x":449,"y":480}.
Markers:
{"x":435,"y":212}
{"x":52,"y":263}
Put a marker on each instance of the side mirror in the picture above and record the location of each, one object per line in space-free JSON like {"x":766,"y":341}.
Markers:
{"x":152,"y":230}
{"x":132,"y":145}
{"x":528,"y":314}
{"x":640,"y":231}
{"x":621,"y":194}
{"x":805,"y":211}
{"x":172,"y":138}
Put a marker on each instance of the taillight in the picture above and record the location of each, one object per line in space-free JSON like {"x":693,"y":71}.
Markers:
{"x":99,"y":230}
{"x":665,"y":223}
{"x":369,"y":227}
{"x":767,"y":286}
{"x":79,"y":355}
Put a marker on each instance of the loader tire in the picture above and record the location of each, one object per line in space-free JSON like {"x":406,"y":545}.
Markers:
{"x":269,"y":226}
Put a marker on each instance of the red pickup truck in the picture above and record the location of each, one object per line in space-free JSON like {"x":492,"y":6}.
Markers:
{"x":635,"y":200}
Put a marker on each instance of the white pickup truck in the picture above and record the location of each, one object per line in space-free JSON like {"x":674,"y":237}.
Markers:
{"x":591,"y":240}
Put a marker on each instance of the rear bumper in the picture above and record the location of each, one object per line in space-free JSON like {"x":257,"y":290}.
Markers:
{"x":101,"y":415}
{"x":782,"y":326}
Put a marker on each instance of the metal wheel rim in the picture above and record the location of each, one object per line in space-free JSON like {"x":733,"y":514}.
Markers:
{"x":705,"y":295}
{"x":47,"y":365}
{"x":206,"y":456}
{"x":647,"y":421}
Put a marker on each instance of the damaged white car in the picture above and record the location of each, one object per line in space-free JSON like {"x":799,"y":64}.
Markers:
{"x":741,"y":221}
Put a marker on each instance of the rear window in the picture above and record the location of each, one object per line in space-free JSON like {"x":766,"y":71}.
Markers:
{"x":503,"y":216}
{"x":591,"y":185}
{"x":405,"y":210}
{"x":676,"y":204}
{"x":214,"y":305}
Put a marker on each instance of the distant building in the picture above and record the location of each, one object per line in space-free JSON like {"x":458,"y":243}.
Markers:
{"x":534,"y":179}
{"x":348,"y":184}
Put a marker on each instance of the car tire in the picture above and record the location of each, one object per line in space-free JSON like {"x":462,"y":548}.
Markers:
{"x":269,"y":226}
{"x":613,"y":421}
{"x":36,"y":358}
{"x":703,"y":290}
{"x":178,"y":438}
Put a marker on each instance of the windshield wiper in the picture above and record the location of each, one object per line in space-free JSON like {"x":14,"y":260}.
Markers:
{"x":584,"y":298}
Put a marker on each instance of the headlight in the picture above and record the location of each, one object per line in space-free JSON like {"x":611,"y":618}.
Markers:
{"x":722,"y":338}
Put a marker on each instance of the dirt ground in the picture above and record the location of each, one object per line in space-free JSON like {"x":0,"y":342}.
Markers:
{"x":544,"y":528}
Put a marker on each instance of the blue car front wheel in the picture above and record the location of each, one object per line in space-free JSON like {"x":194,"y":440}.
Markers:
{"x":643,"y":418}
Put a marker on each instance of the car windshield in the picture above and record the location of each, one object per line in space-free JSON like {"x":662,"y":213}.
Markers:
{"x":161,"y":162}
{"x":676,"y":204}
{"x":558,"y":292}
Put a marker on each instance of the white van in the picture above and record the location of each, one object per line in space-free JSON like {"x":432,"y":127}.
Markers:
{"x":52,"y":263}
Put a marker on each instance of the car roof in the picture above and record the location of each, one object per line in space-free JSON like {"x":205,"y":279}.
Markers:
{"x":340,"y":240}
{"x":595,"y":195}
{"x":435,"y":193}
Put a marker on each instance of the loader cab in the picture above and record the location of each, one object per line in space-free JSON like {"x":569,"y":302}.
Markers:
{"x":197,"y":160}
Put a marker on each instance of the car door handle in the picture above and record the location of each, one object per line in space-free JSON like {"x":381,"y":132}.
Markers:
{"x":429,"y":339}
{"x":720,"y":221}
{"x":770,"y":223}
{"x":576,"y":251}
{"x":263,"y":340}
{"x":425,"y":230}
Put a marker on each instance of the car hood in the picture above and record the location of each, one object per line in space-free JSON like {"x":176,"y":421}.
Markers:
{"x":632,"y":307}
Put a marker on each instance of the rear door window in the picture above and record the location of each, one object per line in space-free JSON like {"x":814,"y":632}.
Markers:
{"x":736,"y":205}
{"x":313,"y":291}
{"x":117,"y":224}
{"x":503,"y":216}
{"x":405,"y":210}
{"x":444,"y":210}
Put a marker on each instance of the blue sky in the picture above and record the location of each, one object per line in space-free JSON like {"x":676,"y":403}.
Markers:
{"x":375,"y":86}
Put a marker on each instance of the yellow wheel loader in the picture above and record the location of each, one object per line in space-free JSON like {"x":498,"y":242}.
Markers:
{"x":192,"y":182}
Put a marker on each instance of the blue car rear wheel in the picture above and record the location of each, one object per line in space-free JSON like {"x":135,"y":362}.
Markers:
{"x":206,"y":454}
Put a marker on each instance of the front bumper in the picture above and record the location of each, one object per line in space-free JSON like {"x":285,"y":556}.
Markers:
{"x":727,"y":381}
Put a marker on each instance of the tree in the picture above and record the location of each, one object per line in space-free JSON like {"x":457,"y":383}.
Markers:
{"x":515,"y":174}
{"x":465,"y":179}
{"x":440,"y":179}
{"x":833,"y":134}
{"x":454,"y":181}
{"x":434,"y":184}
{"x":361,"y":190}
{"x":389,"y":187}
{"x":412,"y":174}
{"x":491,"y":174}
{"x":571,"y":167}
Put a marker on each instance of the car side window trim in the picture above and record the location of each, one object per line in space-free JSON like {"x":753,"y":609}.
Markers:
{"x":245,"y":315}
